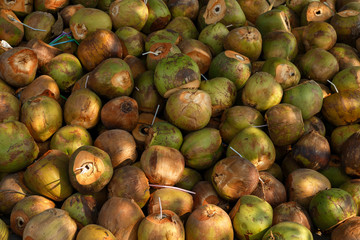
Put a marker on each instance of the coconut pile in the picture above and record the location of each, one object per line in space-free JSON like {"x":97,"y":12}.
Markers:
{"x":179,"y":119}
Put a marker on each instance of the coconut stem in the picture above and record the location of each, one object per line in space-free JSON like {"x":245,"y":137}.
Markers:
{"x":145,"y":1}
{"x":337,"y":91}
{"x":14,"y":20}
{"x":86,"y":82}
{"x":230,"y":25}
{"x":156,"y":53}
{"x":204,"y":77}
{"x":160,"y":208}
{"x":236,"y":151}
{"x":137,"y":89}
{"x":156,"y":112}
{"x":260,"y":126}
{"x":172,"y":187}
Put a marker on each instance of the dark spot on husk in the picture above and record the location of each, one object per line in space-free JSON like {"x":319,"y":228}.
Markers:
{"x":126,"y":107}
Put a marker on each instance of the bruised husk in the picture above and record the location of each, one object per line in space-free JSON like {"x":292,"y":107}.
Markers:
{"x":132,"y":39}
{"x":82,"y":108}
{"x":254,"y":145}
{"x":98,"y":46}
{"x":65,"y":69}
{"x":162,"y":165}
{"x":251,"y":217}
{"x":312,"y":151}
{"x":112,"y":78}
{"x":279,"y":44}
{"x":25,"y":209}
{"x":288,"y":230}
{"x":119,"y":144}
{"x":69,"y":138}
{"x":18,"y":66}
{"x":94,"y":232}
{"x":121,"y":112}
{"x":346,"y":25}
{"x":319,"y":34}
{"x":121,"y":216}
{"x":174,"y":200}
{"x":303,"y":184}
{"x":235,"y":119}
{"x":162,"y":36}
{"x":10,"y":107}
{"x":176,"y":72}
{"x":314,"y":124}
{"x":194,"y":109}
{"x":208,"y":217}
{"x":90,"y":169}
{"x":292,"y":212}
{"x":346,"y":55}
{"x":49,"y":176}
{"x":42,"y":115}
{"x":12,"y":190}
{"x":81,"y":208}
{"x":160,"y":226}
{"x":285,"y":124}
{"x":42,"y":85}
{"x":270,"y":189}
{"x":130,"y":182}
{"x":17,"y":147}
{"x":164,"y":134}
{"x":227,"y":181}
{"x":202,"y":148}
{"x":348,"y":230}
{"x":330,"y":207}
{"x":59,"y":225}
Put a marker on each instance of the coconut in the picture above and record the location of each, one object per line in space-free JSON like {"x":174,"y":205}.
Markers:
{"x":303,"y":184}
{"x":121,"y":113}
{"x":43,"y":51}
{"x":209,"y":222}
{"x":288,"y":230}
{"x":227,"y":181}
{"x":206,"y":194}
{"x":42,"y":115}
{"x":251,"y":217}
{"x":94,"y":232}
{"x":349,"y":155}
{"x":69,"y":138}
{"x":17,"y":147}
{"x":90,"y":169}
{"x":121,"y":216}
{"x":119,"y":144}
{"x":12,"y":190}
{"x":18,"y":66}
{"x":270,"y":189}
{"x":42,"y":85}
{"x":137,"y":66}
{"x":25,"y":209}
{"x":81,"y":208}
{"x":12,"y":31}
{"x":292,"y":212}
{"x":4,"y":230}
{"x":164,"y":134}
{"x":49,"y":176}
{"x":352,"y":186}
{"x":59,"y":225}
{"x":130,"y":182}
{"x":202,"y":148}
{"x":213,"y":36}
{"x":189,"y":179}
{"x":162,"y":165}
{"x":159,"y":16}
{"x":348,"y":230}
{"x":10,"y":107}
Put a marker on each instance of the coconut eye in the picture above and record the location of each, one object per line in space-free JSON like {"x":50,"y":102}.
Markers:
{"x":217,"y":9}
{"x":318,"y":12}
